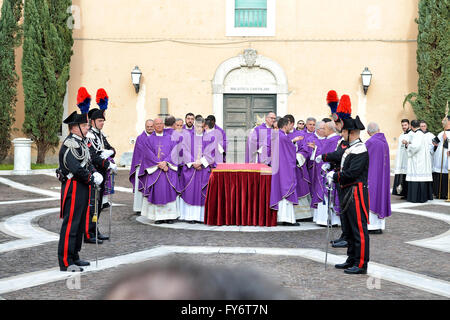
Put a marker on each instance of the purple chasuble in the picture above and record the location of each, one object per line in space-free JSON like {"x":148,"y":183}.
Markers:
{"x":186,"y":128}
{"x":261,"y":136}
{"x":168,"y":131}
{"x":223,"y":142}
{"x":379,"y":175}
{"x":214,"y":138}
{"x":316,"y":187}
{"x":193,"y":182}
{"x":295,"y":133}
{"x":329,"y":145}
{"x":137,"y":157}
{"x":302,"y":174}
{"x":284,"y":181}
{"x":159,"y":187}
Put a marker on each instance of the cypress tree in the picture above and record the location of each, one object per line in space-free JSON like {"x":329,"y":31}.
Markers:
{"x":47,"y":51}
{"x":10,"y":39}
{"x":433,"y":63}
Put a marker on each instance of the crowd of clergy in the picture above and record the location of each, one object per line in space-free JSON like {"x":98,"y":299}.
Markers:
{"x":173,"y":159}
{"x":422,"y":163}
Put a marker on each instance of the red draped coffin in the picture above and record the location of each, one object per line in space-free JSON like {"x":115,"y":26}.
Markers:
{"x":239,"y":194}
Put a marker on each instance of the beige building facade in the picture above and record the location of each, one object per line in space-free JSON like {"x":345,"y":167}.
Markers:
{"x":193,"y":54}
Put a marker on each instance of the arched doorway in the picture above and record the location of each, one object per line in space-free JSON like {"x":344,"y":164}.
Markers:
{"x":245,"y":88}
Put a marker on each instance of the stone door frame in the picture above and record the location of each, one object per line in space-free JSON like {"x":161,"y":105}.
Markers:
{"x":249,"y":59}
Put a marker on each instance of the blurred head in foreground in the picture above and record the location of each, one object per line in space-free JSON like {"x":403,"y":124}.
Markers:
{"x":185,"y":280}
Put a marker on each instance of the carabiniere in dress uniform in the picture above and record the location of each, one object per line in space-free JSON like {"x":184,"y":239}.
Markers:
{"x":78,"y":176}
{"x":102,"y":153}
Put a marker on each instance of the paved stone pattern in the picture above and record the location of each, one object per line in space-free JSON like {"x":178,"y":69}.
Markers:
{"x":388,"y":248}
{"x":433,"y":208}
{"x":304,"y":277}
{"x":300,"y":278}
{"x":6,"y":238}
{"x":8,"y":193}
{"x":42,"y":181}
{"x":9,"y":210}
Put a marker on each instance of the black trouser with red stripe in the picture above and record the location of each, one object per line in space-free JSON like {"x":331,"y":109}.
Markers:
{"x":344,"y":225}
{"x":74,"y":204}
{"x":90,"y":226}
{"x":356,"y":219}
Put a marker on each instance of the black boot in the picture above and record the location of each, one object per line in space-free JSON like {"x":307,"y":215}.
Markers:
{"x":340,"y":244}
{"x":356,"y":270}
{"x":92,"y":240}
{"x":345,"y":265}
{"x":82,"y":263}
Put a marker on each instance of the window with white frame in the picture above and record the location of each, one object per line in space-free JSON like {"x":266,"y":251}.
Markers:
{"x":246,"y":18}
{"x":250,"y":13}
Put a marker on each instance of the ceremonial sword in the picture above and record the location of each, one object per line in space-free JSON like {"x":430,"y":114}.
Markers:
{"x":95,"y":219}
{"x":329,"y":224}
{"x":329,"y":187}
{"x":111,"y":192}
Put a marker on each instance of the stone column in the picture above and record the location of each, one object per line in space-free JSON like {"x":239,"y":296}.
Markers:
{"x":22,"y":156}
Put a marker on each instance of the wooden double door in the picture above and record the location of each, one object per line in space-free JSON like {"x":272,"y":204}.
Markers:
{"x":241,"y":113}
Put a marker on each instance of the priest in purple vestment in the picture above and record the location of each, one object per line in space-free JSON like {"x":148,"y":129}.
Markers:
{"x":169,"y":125}
{"x":197,"y":163}
{"x":258,"y":146}
{"x":329,"y":144}
{"x":379,"y":179}
{"x":283,"y":192}
{"x":138,"y":152}
{"x":221,"y":141}
{"x":189,"y":121}
{"x":313,"y":147}
{"x":302,"y":210}
{"x":159,"y":176}
{"x":310,"y":126}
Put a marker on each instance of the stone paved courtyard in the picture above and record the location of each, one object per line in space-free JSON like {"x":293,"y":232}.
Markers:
{"x":412,"y":253}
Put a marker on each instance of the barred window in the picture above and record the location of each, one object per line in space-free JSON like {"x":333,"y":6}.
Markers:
{"x":250,"y":14}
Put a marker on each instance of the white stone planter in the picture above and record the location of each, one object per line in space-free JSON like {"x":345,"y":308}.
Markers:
{"x":22,"y":156}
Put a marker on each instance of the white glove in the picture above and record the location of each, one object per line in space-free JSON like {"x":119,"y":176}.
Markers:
{"x":325,"y":166}
{"x":112,"y":167}
{"x":98,"y":178}
{"x":330,"y":178}
{"x":106,"y":153}
{"x":319,"y":159}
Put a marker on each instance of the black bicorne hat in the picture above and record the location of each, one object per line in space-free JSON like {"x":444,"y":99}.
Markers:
{"x":75,"y":118}
{"x":353,"y":124}
{"x":96,"y":114}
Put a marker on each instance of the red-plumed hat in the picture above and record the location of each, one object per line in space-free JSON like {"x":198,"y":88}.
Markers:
{"x":344,"y":109}
{"x":102,"y":99}
{"x":332,"y":96}
{"x":332,"y":100}
{"x":83,"y":100}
